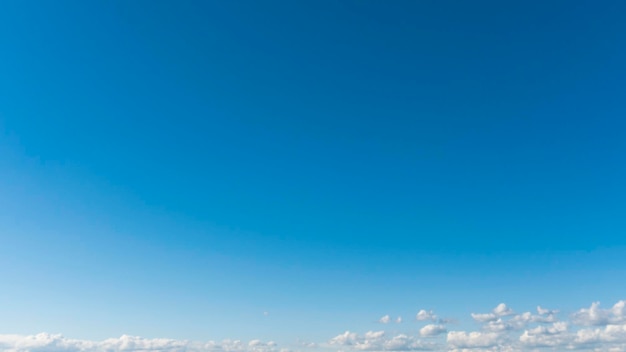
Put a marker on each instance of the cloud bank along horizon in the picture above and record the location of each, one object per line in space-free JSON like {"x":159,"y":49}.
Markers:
{"x":282,"y":170}
{"x":500,"y":330}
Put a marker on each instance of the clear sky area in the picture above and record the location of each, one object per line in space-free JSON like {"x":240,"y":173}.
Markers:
{"x":286,"y":176}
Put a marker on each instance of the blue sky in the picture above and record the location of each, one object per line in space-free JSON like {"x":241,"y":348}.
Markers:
{"x":288,"y":171}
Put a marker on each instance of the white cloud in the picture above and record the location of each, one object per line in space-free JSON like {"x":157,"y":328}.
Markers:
{"x":309,"y":344}
{"x":596,"y":316}
{"x":501,"y":330}
{"x":57,"y":343}
{"x":546,"y":336}
{"x":385,"y":319}
{"x":543,"y":311}
{"x":424,"y":315}
{"x":498,"y":326}
{"x":346,"y":339}
{"x":462,"y":339}
{"x":516,"y":322}
{"x":378,"y":341}
{"x":607,"y":334}
{"x":484,"y":317}
{"x":432,"y":330}
{"x":501,"y":310}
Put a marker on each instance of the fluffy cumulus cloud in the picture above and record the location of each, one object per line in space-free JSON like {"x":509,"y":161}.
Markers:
{"x":501,"y":329}
{"x":596,"y":316}
{"x":462,"y":339}
{"x":57,"y":343}
{"x":501,"y":310}
{"x":424,"y":315}
{"x":546,"y":336}
{"x":431,"y":330}
{"x":379,"y":341}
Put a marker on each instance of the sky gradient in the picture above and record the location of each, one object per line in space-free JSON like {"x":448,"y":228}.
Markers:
{"x":288,"y":171}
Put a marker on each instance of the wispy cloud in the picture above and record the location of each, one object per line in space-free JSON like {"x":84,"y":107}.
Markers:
{"x":385,"y":319}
